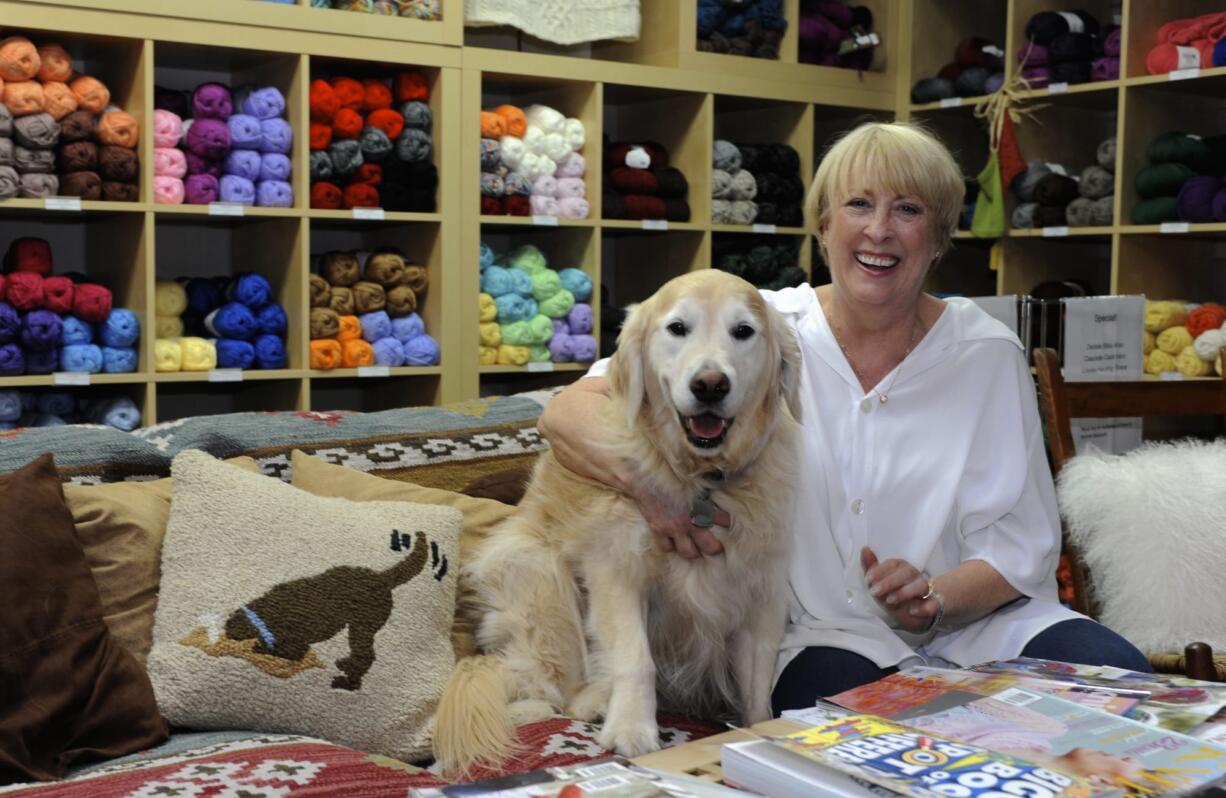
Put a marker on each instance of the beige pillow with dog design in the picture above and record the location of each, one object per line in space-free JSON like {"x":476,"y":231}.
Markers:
{"x":286,"y":612}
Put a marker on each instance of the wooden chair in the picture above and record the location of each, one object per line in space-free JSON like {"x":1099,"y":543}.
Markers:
{"x":1062,"y":401}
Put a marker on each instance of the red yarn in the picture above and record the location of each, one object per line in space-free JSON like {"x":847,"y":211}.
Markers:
{"x":640,"y":206}
{"x":387,"y":120}
{"x":324,"y":101}
{"x":411,"y":86}
{"x":634,"y":181}
{"x":378,"y":95}
{"x":659,"y":155}
{"x":58,"y":294}
{"x":1185,"y":31}
{"x":321,"y":136}
{"x":491,"y":206}
{"x":349,"y":92}
{"x":2,"y":282}
{"x":25,"y":290}
{"x":1165,"y":57}
{"x":325,"y":195}
{"x":347,"y":124}
{"x":369,"y":173}
{"x":950,"y":71}
{"x":361,"y":195}
{"x":1209,"y":316}
{"x":91,"y":302}
{"x":29,"y":255}
{"x":517,"y":205}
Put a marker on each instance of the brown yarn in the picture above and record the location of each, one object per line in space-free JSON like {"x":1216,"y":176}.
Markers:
{"x":385,"y":268}
{"x":79,"y":156}
{"x":118,"y":163}
{"x":340,"y":268}
{"x":401,"y":301}
{"x":369,"y":297}
{"x":86,"y":185}
{"x":325,"y":323}
{"x":321,"y":292}
{"x":342,"y":300}
{"x":417,"y":278}
{"x":77,"y":126}
{"x":115,"y":191}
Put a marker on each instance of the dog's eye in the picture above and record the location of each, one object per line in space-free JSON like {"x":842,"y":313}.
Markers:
{"x":677,"y":328}
{"x":742,"y":332}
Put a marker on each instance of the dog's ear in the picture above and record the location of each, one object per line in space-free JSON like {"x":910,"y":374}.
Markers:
{"x":789,"y":361}
{"x":626,"y":367}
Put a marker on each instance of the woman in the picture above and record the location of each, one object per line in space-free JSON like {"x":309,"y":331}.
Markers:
{"x":926,"y":525}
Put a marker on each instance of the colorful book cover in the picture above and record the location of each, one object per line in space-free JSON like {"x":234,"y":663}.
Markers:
{"x":926,"y":765}
{"x":1107,"y":749}
{"x":607,"y":778}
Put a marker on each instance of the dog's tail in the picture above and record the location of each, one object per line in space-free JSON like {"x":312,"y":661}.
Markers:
{"x":473,"y":727}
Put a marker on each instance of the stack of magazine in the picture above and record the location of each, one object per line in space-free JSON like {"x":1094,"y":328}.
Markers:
{"x":1021,"y":727}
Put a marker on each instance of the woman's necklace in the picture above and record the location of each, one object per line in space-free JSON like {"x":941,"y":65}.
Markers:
{"x":883,"y":396}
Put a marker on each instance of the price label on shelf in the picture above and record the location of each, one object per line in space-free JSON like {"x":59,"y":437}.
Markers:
{"x":226,"y":375}
{"x":1054,"y":232}
{"x":540,"y":367}
{"x":374,"y":371}
{"x":225,"y":209}
{"x":1171,"y":376}
{"x":951,"y":102}
{"x":655,"y":224}
{"x":1183,"y":74}
{"x":765,"y":228}
{"x":369,"y":214}
{"x":62,"y":203}
{"x":1057,"y":88}
{"x":1057,"y":168}
{"x":544,"y":221}
{"x":70,"y":378}
{"x":1173,"y":227}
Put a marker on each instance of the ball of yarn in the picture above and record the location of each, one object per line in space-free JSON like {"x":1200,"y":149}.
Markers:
{"x":167,"y":161}
{"x":375,"y":325}
{"x":1195,"y":200}
{"x":1024,"y":184}
{"x":40,"y":331}
{"x":387,"y":120}
{"x":81,"y":357}
{"x":1173,"y":340}
{"x":39,"y":186}
{"x":10,"y":182}
{"x":1190,"y":364}
{"x":212,"y":101}
{"x":37,"y":131}
{"x":232,"y":320}
{"x":251,"y":289}
{"x":270,"y":352}
{"x":264,"y":103}
{"x":407,"y":327}
{"x":1177,"y":147}
{"x":1155,"y":210}
{"x":1023,"y":215}
{"x":77,"y":126}
{"x":326,"y":195}
{"x":30,"y":162}
{"x":1208,"y":345}
{"x":208,"y":138}
{"x":346,"y":124}
{"x":118,"y":359}
{"x":401,"y":300}
{"x":350,"y":328}
{"x":357,"y":353}
{"x":1210,"y":316}
{"x":573,"y":165}
{"x":325,"y":323}
{"x":971,"y":81}
{"x":1102,"y":211}
{"x":119,"y":128}
{"x":726,"y":156}
{"x":388,"y":352}
{"x":346,"y":157}
{"x":199,"y":165}
{"x":325,"y":354}
{"x":577,"y":282}
{"x":1106,"y":154}
{"x":244,"y":132}
{"x":55,"y":63}
{"x":1162,"y":315}
{"x":72,"y":330}
{"x":1045,"y":26}
{"x":414,"y":145}
{"x":58,"y":293}
{"x":417,"y":114}
{"x":1055,"y":190}
{"x":323,"y":101}
{"x":1079,"y":212}
{"x":242,"y":163}
{"x":368,"y":297}
{"x":240,"y":190}
{"x":170,"y":298}
{"x":342,"y":300}
{"x":384,"y":268}
{"x":121,"y":328}
{"x":929,"y":90}
{"x":198,"y":354}
{"x":1096,"y":182}
{"x":340,"y":268}
{"x":167,"y":355}
{"x":421,"y":350}
{"x":164,"y":327}
{"x":276,"y":135}
{"x":374,"y":143}
{"x":23,"y":97}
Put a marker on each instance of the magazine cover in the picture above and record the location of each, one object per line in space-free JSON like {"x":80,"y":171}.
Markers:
{"x":607,"y":778}
{"x":926,"y":765}
{"x":1138,"y":758}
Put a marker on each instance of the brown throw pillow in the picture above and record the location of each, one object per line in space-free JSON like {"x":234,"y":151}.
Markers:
{"x":480,"y":516}
{"x":507,"y":486}
{"x":68,"y":691}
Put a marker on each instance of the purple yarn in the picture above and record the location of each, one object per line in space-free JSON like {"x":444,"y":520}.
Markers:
{"x":265,"y":103}
{"x":42,"y":362}
{"x":559,"y":348}
{"x":243,"y":163}
{"x":237,"y":189}
{"x":274,"y":194}
{"x":579,"y":320}
{"x":375,"y":325}
{"x":583,"y":348}
{"x":244,"y":132}
{"x":407,"y":327}
{"x":205,"y":166}
{"x":74,"y":331}
{"x":211,"y":101}
{"x":1105,"y":68}
{"x":1219,"y":206}
{"x":1031,"y":55}
{"x":276,"y":135}
{"x":10,"y":323}
{"x":560,"y":327}
{"x":270,"y":352}
{"x":994,"y":82}
{"x":1196,"y":198}
{"x":271,"y":319}
{"x":40,"y":330}
{"x":171,"y":100}
{"x":12,"y":361}
{"x":421,"y":350}
{"x":388,"y":352}
{"x":819,"y":35}
{"x":81,"y":357}
{"x":208,"y":138}
{"x":1111,"y":45}
{"x":275,"y":166}
{"x":1037,"y":77}
{"x":233,"y":354}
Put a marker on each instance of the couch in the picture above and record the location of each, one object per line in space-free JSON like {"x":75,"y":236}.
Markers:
{"x":477,"y":452}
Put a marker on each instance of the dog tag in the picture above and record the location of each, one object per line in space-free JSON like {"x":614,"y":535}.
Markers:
{"x":702,"y":511}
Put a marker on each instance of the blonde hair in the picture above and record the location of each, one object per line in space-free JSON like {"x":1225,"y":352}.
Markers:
{"x":893,"y":156}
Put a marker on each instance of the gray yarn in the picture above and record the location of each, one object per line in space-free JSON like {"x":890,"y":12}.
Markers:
{"x":33,"y":161}
{"x":417,"y":114}
{"x":721,"y":184}
{"x":10,"y":182}
{"x":374,"y":143}
{"x":721,"y":211}
{"x":320,"y":166}
{"x":1102,"y":211}
{"x":37,"y":131}
{"x":1080,"y":212}
{"x":346,"y":157}
{"x":37,"y":186}
{"x":414,"y":145}
{"x":7,"y":157}
{"x":1023,"y":184}
{"x":1095,"y":182}
{"x":6,"y":121}
{"x":744,"y":211}
{"x":1023,"y":215}
{"x":744,"y":186}
{"x":491,"y":155}
{"x":1106,"y":154}
{"x":726,"y":156}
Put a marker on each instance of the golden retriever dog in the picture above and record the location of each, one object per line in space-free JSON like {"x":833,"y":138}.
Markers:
{"x":578,"y":611}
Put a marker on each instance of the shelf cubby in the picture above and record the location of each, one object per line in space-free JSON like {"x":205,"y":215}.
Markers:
{"x":1104,"y":12}
{"x":1029,"y":262}
{"x":751,"y":120}
{"x":1144,"y":20}
{"x":370,"y":395}
{"x":1165,"y":266}
{"x":939,"y":27}
{"x":183,"y":397}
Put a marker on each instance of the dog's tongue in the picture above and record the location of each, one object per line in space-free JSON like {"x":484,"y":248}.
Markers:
{"x":707,"y":425}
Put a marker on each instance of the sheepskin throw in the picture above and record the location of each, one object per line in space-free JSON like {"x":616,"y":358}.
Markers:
{"x":560,"y":21}
{"x":1151,"y":525}
{"x":286,"y":612}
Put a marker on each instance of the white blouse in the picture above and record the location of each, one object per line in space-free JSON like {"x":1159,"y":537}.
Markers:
{"x":951,"y":468}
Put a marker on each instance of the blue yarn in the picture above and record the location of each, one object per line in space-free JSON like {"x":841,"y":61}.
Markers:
{"x":243,"y":163}
{"x":769,"y":13}
{"x":275,"y":166}
{"x":710,"y":16}
{"x":8,"y":425}
{"x":487,"y":256}
{"x":232,"y":320}
{"x":42,"y":362}
{"x":521,"y":282}
{"x":375,"y":325}
{"x":270,"y":352}
{"x":251,"y":289}
{"x":119,"y":412}
{"x":121,"y":328}
{"x":1219,"y":53}
{"x":512,"y":307}
{"x":388,"y":352}
{"x":10,"y":405}
{"x":734,"y":25}
{"x":407,"y":327}
{"x":41,"y":330}
{"x":531,"y":309}
{"x":245,"y":133}
{"x":12,"y":360}
{"x":203,"y":296}
{"x":76,"y":331}
{"x":496,"y":281}
{"x":118,"y":359}
{"x":29,"y":401}
{"x":10,"y":322}
{"x":81,"y":357}
{"x":421,"y":350}
{"x":577,"y":282}
{"x":271,"y":319}
{"x":42,"y":420}
{"x":59,"y":403}
{"x":234,"y":354}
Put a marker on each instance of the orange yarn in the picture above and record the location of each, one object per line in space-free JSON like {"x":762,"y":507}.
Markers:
{"x":411,"y":86}
{"x":321,"y":136}
{"x":324,"y":101}
{"x":351,"y":328}
{"x":493,"y":126}
{"x":513,"y":116}
{"x":377,"y":95}
{"x":356,"y":352}
{"x":325,"y":353}
{"x":18,"y":59}
{"x":56,"y":63}
{"x":1209,"y":316}
{"x":346,"y":124}
{"x":349,"y":93}
{"x":58,"y":99}
{"x":92,"y":94}
{"x":119,"y":128}
{"x":24,"y":97}
{"x":388,"y":120}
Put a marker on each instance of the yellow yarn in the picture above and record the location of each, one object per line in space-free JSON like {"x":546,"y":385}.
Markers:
{"x":1191,"y":365}
{"x":488,"y":310}
{"x":512,"y":355}
{"x":1158,"y":361}
{"x":1174,"y":340}
{"x":167,"y":356}
{"x":491,"y":334}
{"x":168,"y":326}
{"x":198,"y":354}
{"x":169,"y":298}
{"x":1163,"y":315}
{"x":1148,"y":345}
{"x":488,"y":355}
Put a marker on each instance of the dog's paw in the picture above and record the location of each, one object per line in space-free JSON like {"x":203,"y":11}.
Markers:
{"x":530,"y":710}
{"x":630,"y":739}
{"x":590,"y":703}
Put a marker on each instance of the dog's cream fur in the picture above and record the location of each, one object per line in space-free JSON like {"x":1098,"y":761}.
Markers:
{"x":579,"y":611}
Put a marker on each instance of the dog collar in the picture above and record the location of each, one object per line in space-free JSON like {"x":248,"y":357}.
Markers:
{"x":260,"y":627}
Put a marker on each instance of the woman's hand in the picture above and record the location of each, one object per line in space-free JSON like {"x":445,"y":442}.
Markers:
{"x":900,"y":589}
{"x":673,"y":532}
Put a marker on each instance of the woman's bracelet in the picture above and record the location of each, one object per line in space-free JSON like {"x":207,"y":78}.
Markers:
{"x":940,"y":616}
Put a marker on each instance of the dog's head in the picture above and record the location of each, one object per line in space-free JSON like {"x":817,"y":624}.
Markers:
{"x":708,"y":361}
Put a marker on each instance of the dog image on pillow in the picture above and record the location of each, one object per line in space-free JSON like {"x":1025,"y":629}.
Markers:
{"x":578,"y":611}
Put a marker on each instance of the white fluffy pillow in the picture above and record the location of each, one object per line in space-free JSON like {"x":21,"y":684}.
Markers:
{"x":1151,"y":526}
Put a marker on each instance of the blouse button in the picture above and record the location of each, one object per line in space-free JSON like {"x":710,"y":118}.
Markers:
{"x":851,"y":598}
{"x":857,"y":507}
{"x":866,"y":406}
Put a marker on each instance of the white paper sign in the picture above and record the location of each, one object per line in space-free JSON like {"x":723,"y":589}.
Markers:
{"x":1058,"y":88}
{"x":374,"y":371}
{"x":1110,"y":435}
{"x":1183,"y":74}
{"x":226,"y":375}
{"x":765,"y":228}
{"x":545,"y":221}
{"x":540,"y":366}
{"x":655,"y":224}
{"x":1173,"y":227}
{"x":1103,"y":338}
{"x":62,"y":203}
{"x":225,"y":209}
{"x":1001,"y":308}
{"x":370,"y":214}
{"x":70,"y":378}
{"x":951,"y":102}
{"x":1055,"y":232}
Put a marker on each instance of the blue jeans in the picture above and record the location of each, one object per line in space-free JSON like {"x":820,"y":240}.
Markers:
{"x":821,"y":671}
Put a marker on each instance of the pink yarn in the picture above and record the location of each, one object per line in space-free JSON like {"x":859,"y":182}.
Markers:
{"x":573,"y":208}
{"x":544,"y":206}
{"x":169,"y":162}
{"x":167,"y":128}
{"x":545,"y":186}
{"x":168,"y":190}
{"x":572,"y":165}
{"x":571,"y":187}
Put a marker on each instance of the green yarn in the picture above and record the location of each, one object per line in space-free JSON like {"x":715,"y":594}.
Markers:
{"x":539,"y":354}
{"x":528,"y":258}
{"x":1176,"y":147}
{"x":988,"y":220}
{"x":558,"y":305}
{"x":1162,"y":180}
{"x":517,"y":333}
{"x":1156,"y":211}
{"x":545,"y":284}
{"x":540,"y":329}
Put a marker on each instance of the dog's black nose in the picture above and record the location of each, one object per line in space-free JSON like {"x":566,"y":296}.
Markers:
{"x":710,"y":387}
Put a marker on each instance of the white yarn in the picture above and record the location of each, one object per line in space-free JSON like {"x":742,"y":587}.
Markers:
{"x":556,"y":146}
{"x":534,"y":140}
{"x":574,"y":133}
{"x":547,"y":119}
{"x":512,"y":150}
{"x":1208,"y":344}
{"x":533,"y":166}
{"x":1224,"y":328}
{"x":638,"y":158}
